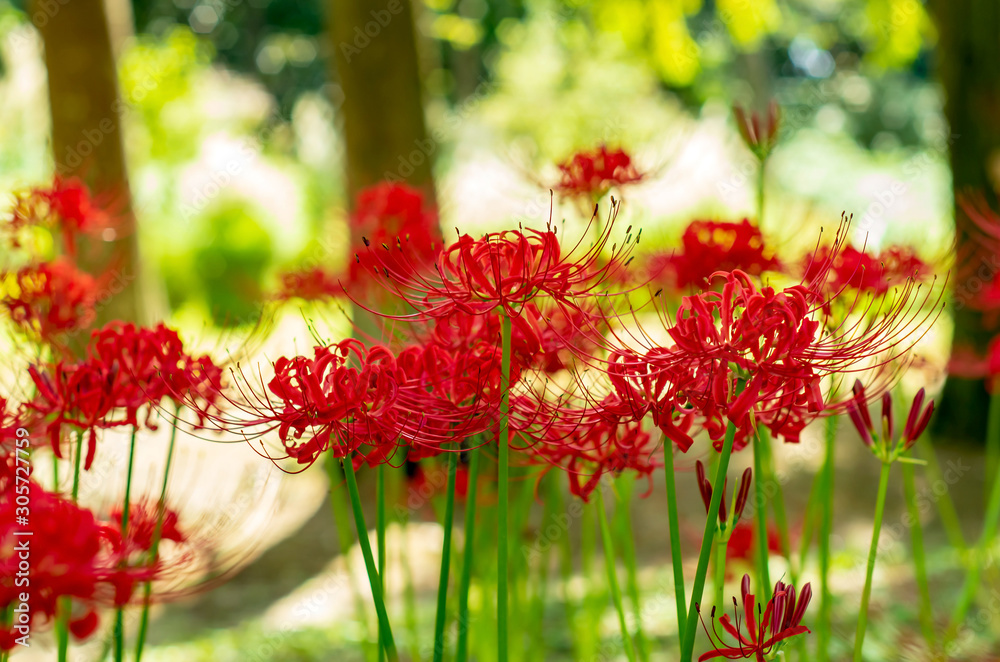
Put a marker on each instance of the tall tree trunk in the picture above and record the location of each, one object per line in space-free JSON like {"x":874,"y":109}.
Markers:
{"x":969,"y":68}
{"x":87,"y":140}
{"x":375,"y":58}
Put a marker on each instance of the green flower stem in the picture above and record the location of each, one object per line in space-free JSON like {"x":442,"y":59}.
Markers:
{"x":812,"y":513}
{"x":919,"y":556}
{"x":65,"y":605}
{"x":345,"y":538}
{"x":442,"y":596}
{"x":468,"y":556}
{"x":978,"y":560}
{"x":825,"y":622}
{"x":945,"y":506}
{"x":147,"y":593}
{"x":541,"y":584}
{"x":566,"y":568}
{"x":780,"y":516}
{"x":591,"y":598}
{"x":883,"y":488}
{"x":609,"y":558}
{"x":503,"y":492}
{"x":623,"y":538}
{"x":691,"y":630}
{"x":673,"y":521}
{"x":992,"y":444}
{"x":721,"y":546}
{"x":385,"y":631}
{"x":760,"y":513}
{"x":380,"y":539}
{"x":119,"y":632}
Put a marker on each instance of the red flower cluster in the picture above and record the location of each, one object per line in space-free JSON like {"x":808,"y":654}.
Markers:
{"x":781,"y":620}
{"x":127,"y":368}
{"x":72,"y":555}
{"x":348,"y":398}
{"x":754,"y":356}
{"x":847,"y":267}
{"x":314,"y":284}
{"x":710,"y":246}
{"x":506,"y":270}
{"x":388,"y":215}
{"x":65,"y":207}
{"x":49,"y":299}
{"x":592,"y":174}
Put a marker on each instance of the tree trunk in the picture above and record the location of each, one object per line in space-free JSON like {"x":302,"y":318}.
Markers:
{"x":968,"y":65}
{"x":87,"y":141}
{"x":375,"y":57}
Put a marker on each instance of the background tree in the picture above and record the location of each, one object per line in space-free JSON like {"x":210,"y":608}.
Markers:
{"x":86,"y":111}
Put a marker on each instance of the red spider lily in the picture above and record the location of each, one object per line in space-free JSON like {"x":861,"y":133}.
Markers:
{"x":710,"y":246}
{"x":67,"y":206}
{"x":142,"y":522}
{"x":967,"y":363}
{"x":742,"y":543}
{"x":71,"y":555}
{"x":760,"y":134}
{"x":538,"y":340}
{"x":316,"y":284}
{"x":348,"y":396}
{"x":848,"y":267}
{"x":592,"y":174}
{"x":128,"y":368}
{"x":50,"y":299}
{"x":587,"y":446}
{"x":382,"y":214}
{"x":742,"y":493}
{"x":80,"y":395}
{"x":504,"y":270}
{"x":753,"y":355}
{"x":884,"y":443}
{"x":766,"y":632}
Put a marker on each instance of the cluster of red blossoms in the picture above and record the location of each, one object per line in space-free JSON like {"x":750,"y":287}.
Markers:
{"x":383,"y":215}
{"x":127,"y":369}
{"x":592,"y":174}
{"x":50,"y":298}
{"x":711,"y":246}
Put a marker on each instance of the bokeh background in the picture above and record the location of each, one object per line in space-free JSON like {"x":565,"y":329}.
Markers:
{"x":235,"y":133}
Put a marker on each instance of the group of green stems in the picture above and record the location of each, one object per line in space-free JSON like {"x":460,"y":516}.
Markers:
{"x":117,"y":641}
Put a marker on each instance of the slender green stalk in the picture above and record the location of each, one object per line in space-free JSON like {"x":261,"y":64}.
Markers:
{"x":119,"y":632}
{"x":721,"y":546}
{"x":380,"y":540}
{"x":541,"y":584}
{"x":883,"y":488}
{"x":760,"y":512}
{"x":673,"y":521}
{"x":503,"y":492}
{"x":345,"y":539}
{"x":992,"y":444}
{"x":812,"y":513}
{"x":65,"y":605}
{"x":623,"y":535}
{"x":919,"y":556}
{"x":161,"y":512}
{"x":468,"y":555}
{"x":976,"y":563}
{"x":825,"y":623}
{"x":945,"y":506}
{"x":566,"y":568}
{"x":592,"y":603}
{"x":691,"y":630}
{"x":442,"y":596}
{"x":609,"y":558}
{"x":780,"y":516}
{"x":385,"y":631}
